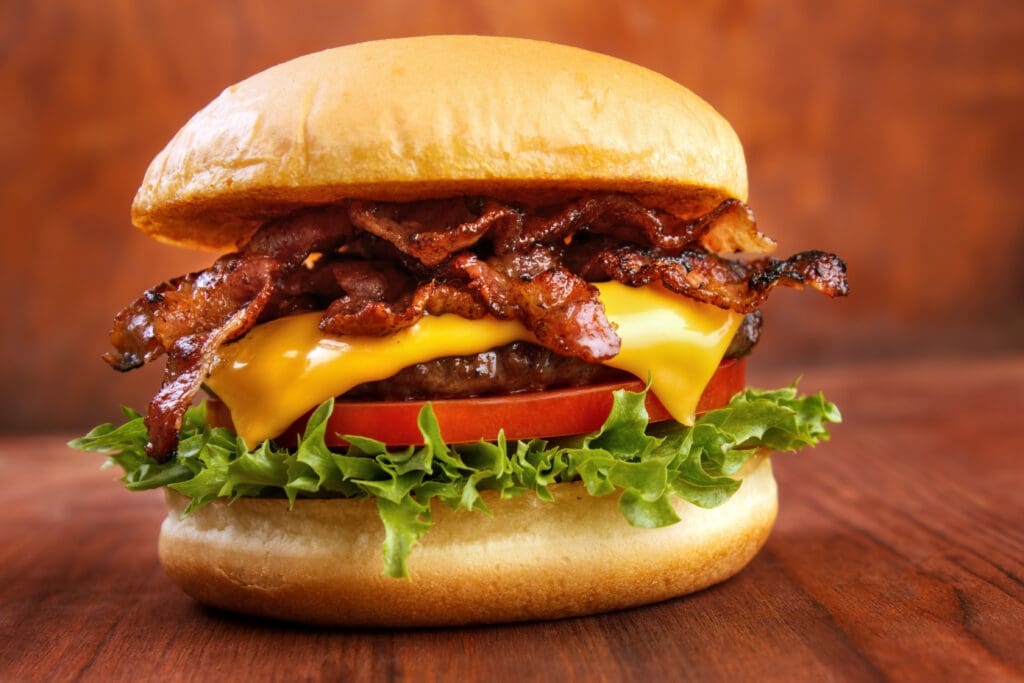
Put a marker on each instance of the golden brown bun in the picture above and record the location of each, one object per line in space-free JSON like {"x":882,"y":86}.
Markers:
{"x":321,"y":562}
{"x":431,"y":117}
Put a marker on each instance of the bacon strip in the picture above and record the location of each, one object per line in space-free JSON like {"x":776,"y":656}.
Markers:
{"x":378,"y":317}
{"x":190,"y":317}
{"x":736,"y":285}
{"x":562,"y":310}
{"x":431,"y":231}
{"x":189,"y":361}
{"x":729,"y":227}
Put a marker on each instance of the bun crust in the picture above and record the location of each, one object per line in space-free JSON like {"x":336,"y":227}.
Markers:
{"x":428,"y":117}
{"x":321,"y":562}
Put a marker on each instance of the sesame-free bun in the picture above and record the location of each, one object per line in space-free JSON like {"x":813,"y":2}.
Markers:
{"x":321,"y":562}
{"x":432,"y":116}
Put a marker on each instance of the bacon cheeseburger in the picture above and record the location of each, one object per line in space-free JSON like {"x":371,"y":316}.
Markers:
{"x":474,"y":352}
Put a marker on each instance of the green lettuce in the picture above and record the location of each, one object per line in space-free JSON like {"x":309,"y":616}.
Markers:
{"x":645,"y":465}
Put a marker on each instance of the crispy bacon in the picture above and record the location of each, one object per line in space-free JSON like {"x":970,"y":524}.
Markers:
{"x":431,"y":231}
{"x":375,"y":268}
{"x":193,"y":303}
{"x":729,"y":227}
{"x":189,"y":361}
{"x":740,"y":286}
{"x":380,"y":317}
{"x":202,"y":301}
{"x":190,"y":317}
{"x":562,"y":310}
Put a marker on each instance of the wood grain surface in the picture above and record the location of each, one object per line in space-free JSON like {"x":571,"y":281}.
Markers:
{"x":886,"y":132}
{"x":898,"y":555}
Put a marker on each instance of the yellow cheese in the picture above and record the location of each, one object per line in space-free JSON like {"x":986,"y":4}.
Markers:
{"x":283,"y":368}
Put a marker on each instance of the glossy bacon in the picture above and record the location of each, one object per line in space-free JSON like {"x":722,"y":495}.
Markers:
{"x":431,"y":231}
{"x":191,"y":304}
{"x":380,"y":317}
{"x":729,"y":227}
{"x":562,"y":310}
{"x":736,"y":285}
{"x":189,"y":360}
{"x":190,"y":317}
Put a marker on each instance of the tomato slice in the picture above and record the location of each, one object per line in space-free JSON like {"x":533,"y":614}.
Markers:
{"x":559,"y":412}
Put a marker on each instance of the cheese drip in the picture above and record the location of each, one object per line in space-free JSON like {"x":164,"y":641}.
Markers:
{"x":281,"y":369}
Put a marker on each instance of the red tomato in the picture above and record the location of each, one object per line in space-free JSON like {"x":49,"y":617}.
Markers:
{"x":560,"y":412}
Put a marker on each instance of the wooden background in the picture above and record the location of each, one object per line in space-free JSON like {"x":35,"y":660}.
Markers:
{"x":890,"y":133}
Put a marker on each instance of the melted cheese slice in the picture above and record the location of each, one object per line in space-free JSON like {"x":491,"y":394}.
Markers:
{"x":280,"y":370}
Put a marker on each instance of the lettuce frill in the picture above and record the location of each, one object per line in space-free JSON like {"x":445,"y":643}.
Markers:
{"x":646,"y":465}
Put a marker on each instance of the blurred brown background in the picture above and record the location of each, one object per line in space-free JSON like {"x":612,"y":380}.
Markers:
{"x":890,"y":133}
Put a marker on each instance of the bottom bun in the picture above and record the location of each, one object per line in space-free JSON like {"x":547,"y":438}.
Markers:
{"x":321,"y":561}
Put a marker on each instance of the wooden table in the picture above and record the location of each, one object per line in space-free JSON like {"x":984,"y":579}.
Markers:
{"x":898,"y":554}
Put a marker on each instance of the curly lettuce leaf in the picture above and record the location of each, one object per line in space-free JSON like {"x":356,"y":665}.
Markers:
{"x":646,"y":465}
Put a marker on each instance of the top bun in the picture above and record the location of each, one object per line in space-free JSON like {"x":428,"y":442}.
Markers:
{"x":433,"y":116}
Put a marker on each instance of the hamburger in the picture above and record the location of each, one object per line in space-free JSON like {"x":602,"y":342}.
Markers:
{"x":474,"y":347}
